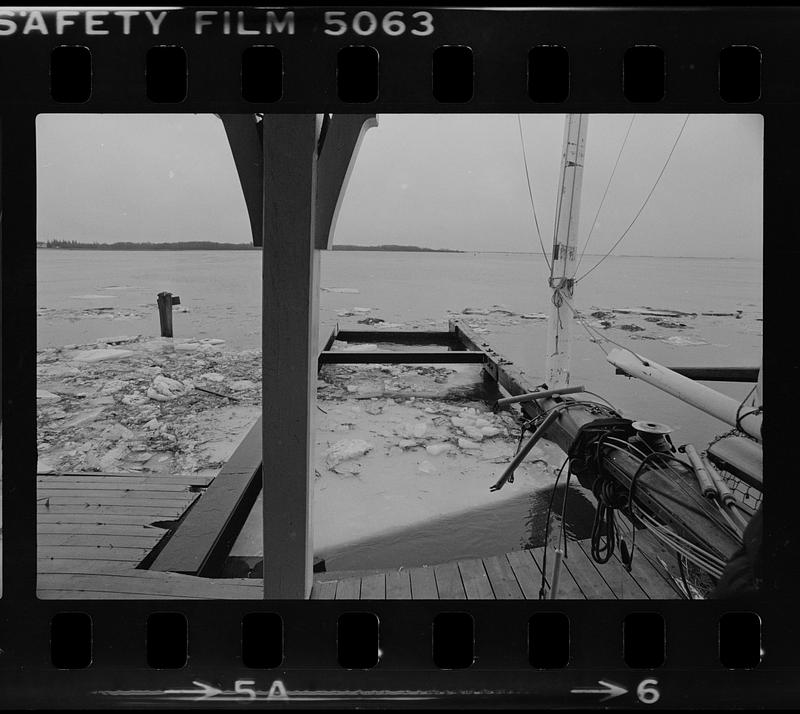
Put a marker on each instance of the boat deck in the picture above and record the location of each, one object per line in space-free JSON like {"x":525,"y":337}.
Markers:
{"x":513,"y":576}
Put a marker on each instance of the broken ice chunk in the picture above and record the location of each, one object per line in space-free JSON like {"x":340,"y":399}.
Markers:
{"x":83,"y":418}
{"x":473,"y":433}
{"x":420,"y":429}
{"x":115,"y":432}
{"x":436,"y":449}
{"x":170,"y":388}
{"x":213,"y":376}
{"x":101,"y":355}
{"x":467,"y":444}
{"x":461,"y":422}
{"x":113,"y":386}
{"x":346,"y":449}
{"x":134,"y":400}
{"x":242,"y":384}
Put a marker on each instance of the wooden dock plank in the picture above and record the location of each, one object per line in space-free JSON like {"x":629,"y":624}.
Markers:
{"x":656,"y":555}
{"x":96,"y":519}
{"x":423,"y":584}
{"x":95,"y":500}
{"x":587,"y":576}
{"x":323,"y":590}
{"x":156,"y":513}
{"x":527,"y":573}
{"x":373,"y":587}
{"x":398,"y":585}
{"x":568,"y":588}
{"x":348,"y":589}
{"x":142,"y":582}
{"x":80,"y":565}
{"x":649,"y":578}
{"x":501,"y":576}
{"x":623,"y":584}
{"x":131,"y":481}
{"x":84,"y":487}
{"x":134,"y":555}
{"x":98,"y":595}
{"x":98,"y":540}
{"x":128,"y":475}
{"x":448,"y":581}
{"x":475,"y":579}
{"x":140,"y":529}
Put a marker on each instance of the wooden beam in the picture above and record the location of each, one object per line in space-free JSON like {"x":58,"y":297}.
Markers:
{"x":202,"y":541}
{"x":405,"y":337}
{"x":343,"y":136}
{"x":289,"y":358}
{"x":244,"y":137}
{"x":331,"y":338}
{"x":399,"y":357}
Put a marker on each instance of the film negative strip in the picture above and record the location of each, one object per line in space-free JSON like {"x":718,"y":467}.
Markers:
{"x":406,"y":456}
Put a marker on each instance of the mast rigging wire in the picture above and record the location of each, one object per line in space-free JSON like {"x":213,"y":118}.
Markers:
{"x":530,"y":192}
{"x":543,"y":584}
{"x":639,"y":212}
{"x":599,"y":337}
{"x":605,"y":193}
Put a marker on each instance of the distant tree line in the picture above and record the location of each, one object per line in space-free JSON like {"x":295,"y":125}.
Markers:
{"x":213,"y":245}
{"x":393,"y":247}
{"x":127,"y":245}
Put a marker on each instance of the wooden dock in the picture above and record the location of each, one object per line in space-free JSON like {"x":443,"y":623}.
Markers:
{"x":512,"y":576}
{"x":93,"y":530}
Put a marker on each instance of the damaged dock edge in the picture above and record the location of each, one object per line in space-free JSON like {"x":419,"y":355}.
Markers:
{"x":199,"y":545}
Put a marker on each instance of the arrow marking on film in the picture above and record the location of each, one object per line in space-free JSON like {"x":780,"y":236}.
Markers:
{"x":205,"y":692}
{"x":610,"y":689}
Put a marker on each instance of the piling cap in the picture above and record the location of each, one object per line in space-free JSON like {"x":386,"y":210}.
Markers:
{"x":651,"y":427}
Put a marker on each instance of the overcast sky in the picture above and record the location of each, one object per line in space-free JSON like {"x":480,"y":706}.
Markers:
{"x":439,"y":181}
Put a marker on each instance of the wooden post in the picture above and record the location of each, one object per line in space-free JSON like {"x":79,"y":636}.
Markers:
{"x":165,"y":303}
{"x":290,"y":305}
{"x":564,"y":260}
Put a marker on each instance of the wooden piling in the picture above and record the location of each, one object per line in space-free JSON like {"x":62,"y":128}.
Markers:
{"x":165,"y":302}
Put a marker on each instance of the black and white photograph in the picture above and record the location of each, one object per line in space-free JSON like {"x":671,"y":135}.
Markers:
{"x":399,"y":356}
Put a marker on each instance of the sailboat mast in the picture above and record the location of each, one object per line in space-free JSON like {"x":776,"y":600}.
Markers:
{"x":564,"y":259}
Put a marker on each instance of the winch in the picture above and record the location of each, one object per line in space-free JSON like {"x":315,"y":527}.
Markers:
{"x":652,"y":435}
